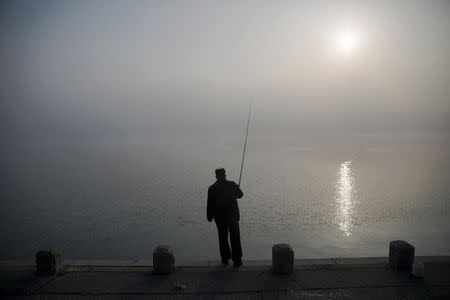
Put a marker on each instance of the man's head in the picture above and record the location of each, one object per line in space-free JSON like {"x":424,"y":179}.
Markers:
{"x":220,"y":174}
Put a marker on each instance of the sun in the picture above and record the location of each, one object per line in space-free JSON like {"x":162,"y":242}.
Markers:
{"x":347,"y":42}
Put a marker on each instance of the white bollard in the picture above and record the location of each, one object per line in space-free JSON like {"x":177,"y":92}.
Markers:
{"x":417,"y":270}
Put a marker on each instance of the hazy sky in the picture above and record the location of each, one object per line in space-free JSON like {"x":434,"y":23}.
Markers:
{"x":76,"y":68}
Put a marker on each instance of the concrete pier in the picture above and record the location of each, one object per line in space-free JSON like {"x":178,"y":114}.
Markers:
{"x":331,"y":278}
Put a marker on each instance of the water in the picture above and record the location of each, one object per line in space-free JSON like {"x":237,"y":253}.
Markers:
{"x":327,"y":196}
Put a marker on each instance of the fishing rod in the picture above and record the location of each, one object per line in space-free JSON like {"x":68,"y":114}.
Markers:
{"x":245,"y":143}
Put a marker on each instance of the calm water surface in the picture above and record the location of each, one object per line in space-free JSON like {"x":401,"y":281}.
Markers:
{"x":328,"y":196}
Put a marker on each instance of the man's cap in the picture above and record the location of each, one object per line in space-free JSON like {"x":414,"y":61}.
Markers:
{"x":220,"y":172}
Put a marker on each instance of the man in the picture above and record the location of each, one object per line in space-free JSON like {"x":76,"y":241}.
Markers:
{"x":222,"y":206}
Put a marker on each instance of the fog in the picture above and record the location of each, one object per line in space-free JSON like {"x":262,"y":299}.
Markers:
{"x":115,"y":114}
{"x":82,"y":70}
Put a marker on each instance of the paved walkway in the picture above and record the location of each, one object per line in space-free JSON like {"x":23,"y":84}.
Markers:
{"x":364,"y":278}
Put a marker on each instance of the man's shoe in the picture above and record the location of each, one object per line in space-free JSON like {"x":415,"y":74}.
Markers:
{"x":237,"y":263}
{"x":225,"y":262}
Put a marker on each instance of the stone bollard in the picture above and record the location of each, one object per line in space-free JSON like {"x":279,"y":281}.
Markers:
{"x":48,"y":263}
{"x":282,"y":259}
{"x":163,"y":260}
{"x":401,"y":256}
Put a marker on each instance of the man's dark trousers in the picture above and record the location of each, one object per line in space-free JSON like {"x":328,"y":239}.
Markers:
{"x":236,"y":251}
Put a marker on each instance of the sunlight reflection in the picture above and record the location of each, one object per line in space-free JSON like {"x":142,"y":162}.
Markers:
{"x":344,"y":197}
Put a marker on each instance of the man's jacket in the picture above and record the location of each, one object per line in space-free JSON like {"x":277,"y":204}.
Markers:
{"x":222,"y":204}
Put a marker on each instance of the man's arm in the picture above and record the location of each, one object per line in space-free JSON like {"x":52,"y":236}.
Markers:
{"x":239,"y":192}
{"x":210,"y":206}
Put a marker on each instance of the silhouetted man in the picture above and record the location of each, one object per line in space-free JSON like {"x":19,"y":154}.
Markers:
{"x":223,"y":208}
